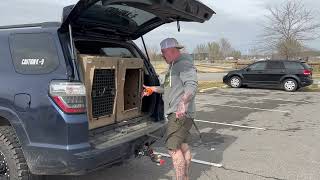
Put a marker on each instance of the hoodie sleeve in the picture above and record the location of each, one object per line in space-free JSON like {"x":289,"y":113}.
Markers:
{"x":188,"y":76}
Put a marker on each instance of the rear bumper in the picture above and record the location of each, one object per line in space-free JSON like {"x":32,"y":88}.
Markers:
{"x":306,"y":82}
{"x":86,"y":158}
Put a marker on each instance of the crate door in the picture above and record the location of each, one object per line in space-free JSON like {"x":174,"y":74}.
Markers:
{"x":130,"y":89}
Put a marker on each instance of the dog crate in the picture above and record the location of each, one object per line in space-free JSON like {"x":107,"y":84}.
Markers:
{"x":114,"y":88}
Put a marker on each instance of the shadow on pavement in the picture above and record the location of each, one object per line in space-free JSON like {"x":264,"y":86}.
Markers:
{"x":210,"y":149}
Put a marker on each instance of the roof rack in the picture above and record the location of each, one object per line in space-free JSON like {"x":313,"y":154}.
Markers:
{"x":41,"y":25}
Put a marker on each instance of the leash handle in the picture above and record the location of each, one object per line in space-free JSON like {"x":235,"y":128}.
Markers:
{"x":197,"y":129}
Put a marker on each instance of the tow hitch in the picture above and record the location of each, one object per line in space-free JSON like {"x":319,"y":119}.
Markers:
{"x":148,"y":151}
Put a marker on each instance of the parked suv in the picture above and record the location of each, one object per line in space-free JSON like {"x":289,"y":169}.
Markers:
{"x":289,"y":75}
{"x":44,"y":122}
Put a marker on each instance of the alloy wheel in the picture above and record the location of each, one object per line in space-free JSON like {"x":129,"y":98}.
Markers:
{"x":290,"y":85}
{"x":235,"y":82}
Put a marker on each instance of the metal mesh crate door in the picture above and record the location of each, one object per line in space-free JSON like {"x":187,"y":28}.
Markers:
{"x":103,"y":92}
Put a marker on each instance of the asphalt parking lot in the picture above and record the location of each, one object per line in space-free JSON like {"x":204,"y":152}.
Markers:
{"x":279,"y":139}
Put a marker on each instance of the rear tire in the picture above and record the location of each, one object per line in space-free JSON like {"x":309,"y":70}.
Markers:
{"x":13,"y":165}
{"x":235,"y":82}
{"x":290,"y":85}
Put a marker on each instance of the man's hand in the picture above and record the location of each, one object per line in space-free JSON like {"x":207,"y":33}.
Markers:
{"x":148,"y":90}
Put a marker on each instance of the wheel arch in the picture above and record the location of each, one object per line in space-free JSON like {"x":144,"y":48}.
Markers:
{"x":290,"y":77}
{"x":9,"y":118}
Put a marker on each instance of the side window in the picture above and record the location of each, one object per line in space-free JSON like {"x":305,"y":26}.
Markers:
{"x":258,"y":66}
{"x":118,"y":52}
{"x":275,"y":65}
{"x":34,"y":53}
{"x":293,"y":65}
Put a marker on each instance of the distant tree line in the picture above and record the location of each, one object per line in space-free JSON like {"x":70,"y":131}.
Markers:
{"x":213,"y":51}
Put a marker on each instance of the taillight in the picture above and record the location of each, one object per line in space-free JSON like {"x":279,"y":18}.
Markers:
{"x":307,"y":72}
{"x":69,"y":96}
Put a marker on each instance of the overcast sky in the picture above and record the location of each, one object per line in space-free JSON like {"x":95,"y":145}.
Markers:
{"x":237,"y":20}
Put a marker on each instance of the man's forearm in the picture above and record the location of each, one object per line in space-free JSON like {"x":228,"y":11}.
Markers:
{"x":184,"y":104}
{"x":158,"y":89}
{"x":189,"y":92}
{"x":186,"y":97}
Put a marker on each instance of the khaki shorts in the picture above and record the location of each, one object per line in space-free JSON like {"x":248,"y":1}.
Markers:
{"x":177,"y":131}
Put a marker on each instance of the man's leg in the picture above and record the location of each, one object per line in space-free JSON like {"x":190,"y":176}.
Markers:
{"x":179,"y":163}
{"x":187,"y":156}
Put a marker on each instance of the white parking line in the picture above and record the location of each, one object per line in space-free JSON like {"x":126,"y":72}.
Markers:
{"x":205,"y":130}
{"x":233,"y":125}
{"x":193,"y":160}
{"x":243,"y":107}
{"x":275,"y":99}
{"x":207,"y":89}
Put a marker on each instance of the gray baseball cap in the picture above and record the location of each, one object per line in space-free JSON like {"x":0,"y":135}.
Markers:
{"x":170,"y":43}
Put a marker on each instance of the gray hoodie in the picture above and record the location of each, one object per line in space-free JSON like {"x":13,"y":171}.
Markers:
{"x":180,"y":78}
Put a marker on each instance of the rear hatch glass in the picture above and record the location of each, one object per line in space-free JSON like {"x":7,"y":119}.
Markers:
{"x":306,"y":66}
{"x":293,"y":65}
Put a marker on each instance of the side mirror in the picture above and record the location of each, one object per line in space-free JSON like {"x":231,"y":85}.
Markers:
{"x":248,"y":69}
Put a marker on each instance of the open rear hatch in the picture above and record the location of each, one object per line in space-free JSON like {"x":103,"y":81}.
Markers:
{"x":114,"y":84}
{"x":130,"y":19}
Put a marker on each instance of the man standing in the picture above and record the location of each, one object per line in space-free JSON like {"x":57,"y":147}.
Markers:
{"x":179,"y":90}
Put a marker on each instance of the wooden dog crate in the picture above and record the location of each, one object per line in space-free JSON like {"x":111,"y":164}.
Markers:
{"x":114,"y":88}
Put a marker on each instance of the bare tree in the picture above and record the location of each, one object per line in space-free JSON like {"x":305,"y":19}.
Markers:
{"x":235,"y":54}
{"x":225,"y":47}
{"x":153,"y":52}
{"x":289,"y":48}
{"x":201,"y":52}
{"x":253,"y":51}
{"x":214,"y":51}
{"x":289,"y":25}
